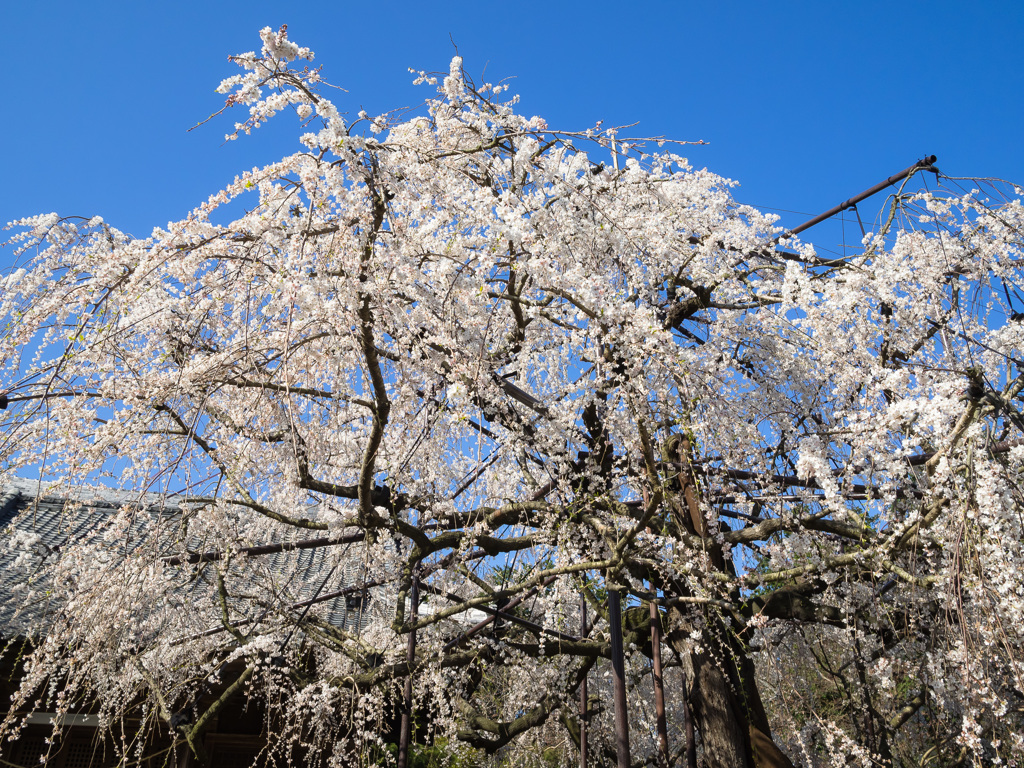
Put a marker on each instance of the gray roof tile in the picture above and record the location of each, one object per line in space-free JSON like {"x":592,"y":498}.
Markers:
{"x":80,"y":516}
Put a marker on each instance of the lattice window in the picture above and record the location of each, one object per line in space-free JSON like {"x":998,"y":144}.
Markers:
{"x":226,"y":756}
{"x":80,"y":753}
{"x":29,"y":750}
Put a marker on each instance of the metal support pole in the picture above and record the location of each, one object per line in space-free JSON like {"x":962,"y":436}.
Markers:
{"x":659,"y":684}
{"x":618,"y":678}
{"x":691,"y":738}
{"x":405,"y":735}
{"x":924,"y":164}
{"x":583,"y":689}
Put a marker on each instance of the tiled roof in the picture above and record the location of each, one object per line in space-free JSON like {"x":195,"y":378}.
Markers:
{"x":58,"y":518}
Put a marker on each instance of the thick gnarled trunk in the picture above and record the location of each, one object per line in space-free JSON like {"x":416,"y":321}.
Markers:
{"x":724,"y":699}
{"x":723,"y":696}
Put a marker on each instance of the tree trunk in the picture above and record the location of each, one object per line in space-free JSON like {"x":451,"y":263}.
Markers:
{"x":724,"y":699}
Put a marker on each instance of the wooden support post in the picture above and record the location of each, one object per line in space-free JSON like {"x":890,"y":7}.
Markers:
{"x":659,"y":685}
{"x":583,"y":689}
{"x":405,"y":735}
{"x":618,"y":678}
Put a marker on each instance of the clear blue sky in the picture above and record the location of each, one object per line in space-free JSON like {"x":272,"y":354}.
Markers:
{"x":804,"y":103}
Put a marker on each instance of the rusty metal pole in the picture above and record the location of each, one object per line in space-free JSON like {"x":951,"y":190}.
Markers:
{"x":688,"y":730}
{"x":924,"y":164}
{"x":659,"y":684}
{"x":405,"y":735}
{"x":583,"y":689}
{"x":618,"y":678}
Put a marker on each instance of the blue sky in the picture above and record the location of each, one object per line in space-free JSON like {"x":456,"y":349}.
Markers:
{"x":804,"y":103}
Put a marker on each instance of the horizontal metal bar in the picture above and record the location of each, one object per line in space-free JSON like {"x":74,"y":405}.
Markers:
{"x":924,"y":164}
